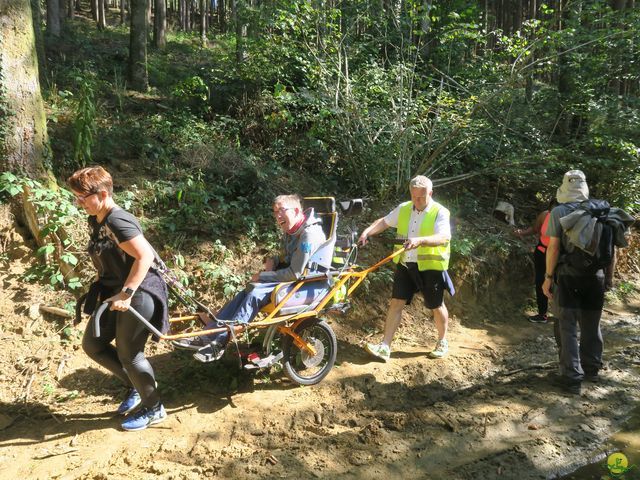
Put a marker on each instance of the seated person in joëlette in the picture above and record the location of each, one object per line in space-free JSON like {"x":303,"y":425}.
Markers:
{"x":302,"y":237}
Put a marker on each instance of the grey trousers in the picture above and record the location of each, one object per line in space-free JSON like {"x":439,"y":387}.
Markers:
{"x":579,"y":305}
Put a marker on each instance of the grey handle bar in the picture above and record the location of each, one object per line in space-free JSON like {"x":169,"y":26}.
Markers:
{"x":100,"y":310}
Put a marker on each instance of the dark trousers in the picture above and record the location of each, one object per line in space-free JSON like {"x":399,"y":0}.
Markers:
{"x":579,"y":304}
{"x":539,"y":263}
{"x":126,"y":359}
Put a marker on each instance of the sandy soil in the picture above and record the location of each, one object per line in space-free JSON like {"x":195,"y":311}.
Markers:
{"x":485,"y":411}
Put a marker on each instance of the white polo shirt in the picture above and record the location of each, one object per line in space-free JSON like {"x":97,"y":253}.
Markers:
{"x":441,"y":227}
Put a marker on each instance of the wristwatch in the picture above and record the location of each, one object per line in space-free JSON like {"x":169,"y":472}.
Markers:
{"x":128,"y":291}
{"x":546,"y":275}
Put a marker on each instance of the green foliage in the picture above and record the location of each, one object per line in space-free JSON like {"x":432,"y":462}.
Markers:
{"x":355,"y":101}
{"x":222,"y":278}
{"x":194,"y":92}
{"x":57,"y":210}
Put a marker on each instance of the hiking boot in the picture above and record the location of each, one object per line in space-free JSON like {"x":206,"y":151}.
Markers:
{"x":144,"y":417}
{"x":573,"y":387}
{"x":195,"y":343}
{"x":130,"y":403}
{"x":379,"y":350}
{"x":539,"y":318}
{"x":442,"y":347}
{"x":209,"y":353}
{"x":592,"y":377}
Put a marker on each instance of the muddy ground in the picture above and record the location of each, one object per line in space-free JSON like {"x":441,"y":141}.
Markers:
{"x":485,"y":411}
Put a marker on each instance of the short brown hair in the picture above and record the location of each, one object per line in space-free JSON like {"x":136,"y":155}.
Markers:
{"x":91,"y":180}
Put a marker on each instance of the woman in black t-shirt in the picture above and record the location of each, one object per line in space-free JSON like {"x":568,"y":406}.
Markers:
{"x":124,"y":260}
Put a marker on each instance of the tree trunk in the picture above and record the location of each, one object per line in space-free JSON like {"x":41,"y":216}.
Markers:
{"x":183,"y":15}
{"x":138,"y":77}
{"x":25,"y":144}
{"x":102,"y":20}
{"x":241,"y":30}
{"x":37,"y":28}
{"x":71,"y":9}
{"x":529,"y":81}
{"x":94,"y":10}
{"x":123,"y":12}
{"x":148,"y":20}
{"x":203,"y":22}
{"x":53,"y":18}
{"x":222,"y":18}
{"x":160,"y":24}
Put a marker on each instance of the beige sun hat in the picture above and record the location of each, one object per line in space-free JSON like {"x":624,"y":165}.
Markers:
{"x":574,"y":187}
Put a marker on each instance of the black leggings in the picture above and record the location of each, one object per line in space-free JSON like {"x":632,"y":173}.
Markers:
{"x":539,"y":262}
{"x":126,"y":360}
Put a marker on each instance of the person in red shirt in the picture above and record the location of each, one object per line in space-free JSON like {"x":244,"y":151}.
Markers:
{"x":539,"y":228}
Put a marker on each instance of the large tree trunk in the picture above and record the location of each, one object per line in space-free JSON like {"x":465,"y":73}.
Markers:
{"x":138,"y":76}
{"x":26,"y":143}
{"x":160,"y":24}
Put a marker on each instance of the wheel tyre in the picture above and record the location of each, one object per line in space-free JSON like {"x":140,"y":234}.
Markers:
{"x":320,"y":331}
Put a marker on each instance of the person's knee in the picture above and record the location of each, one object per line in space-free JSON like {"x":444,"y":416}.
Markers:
{"x":129,"y":357}
{"x":441,"y":312}
{"x":91,"y":346}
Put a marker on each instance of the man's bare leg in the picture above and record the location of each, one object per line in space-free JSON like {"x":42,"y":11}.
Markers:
{"x":441,"y":318}
{"x":391,"y":323}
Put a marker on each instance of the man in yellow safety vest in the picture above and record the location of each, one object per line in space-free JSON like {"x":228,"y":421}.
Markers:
{"x":424,"y":226}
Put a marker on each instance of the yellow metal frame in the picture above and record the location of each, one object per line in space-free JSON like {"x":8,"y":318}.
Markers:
{"x":291,"y":321}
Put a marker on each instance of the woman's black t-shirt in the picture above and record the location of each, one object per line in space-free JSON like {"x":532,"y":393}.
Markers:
{"x":112,"y":263}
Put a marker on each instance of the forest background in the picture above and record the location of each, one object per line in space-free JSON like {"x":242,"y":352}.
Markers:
{"x":204,"y":111}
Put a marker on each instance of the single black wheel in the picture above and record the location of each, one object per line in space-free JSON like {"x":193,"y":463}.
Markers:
{"x":299,"y":364}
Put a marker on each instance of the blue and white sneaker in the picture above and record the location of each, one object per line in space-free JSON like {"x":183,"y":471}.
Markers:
{"x":130,"y":403}
{"x":144,"y":417}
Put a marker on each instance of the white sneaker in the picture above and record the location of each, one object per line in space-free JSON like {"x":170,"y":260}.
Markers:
{"x":379,"y":350}
{"x":442,"y":347}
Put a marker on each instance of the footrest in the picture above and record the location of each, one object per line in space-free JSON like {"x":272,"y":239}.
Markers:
{"x":256,"y":362}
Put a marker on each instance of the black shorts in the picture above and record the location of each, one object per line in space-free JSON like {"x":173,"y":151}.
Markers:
{"x":409,"y":280}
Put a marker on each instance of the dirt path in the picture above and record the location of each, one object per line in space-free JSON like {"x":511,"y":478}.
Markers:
{"x":485,"y":411}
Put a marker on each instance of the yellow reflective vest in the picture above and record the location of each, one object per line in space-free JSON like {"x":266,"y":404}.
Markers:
{"x":429,"y":258}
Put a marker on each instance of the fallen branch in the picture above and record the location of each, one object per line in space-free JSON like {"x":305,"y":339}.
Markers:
{"x":60,"y":312}
{"x":55,"y":454}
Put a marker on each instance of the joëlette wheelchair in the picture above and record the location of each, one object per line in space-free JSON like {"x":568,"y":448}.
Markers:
{"x":292,"y":330}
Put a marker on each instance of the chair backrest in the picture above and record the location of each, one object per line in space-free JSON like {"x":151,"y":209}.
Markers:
{"x":325,"y":210}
